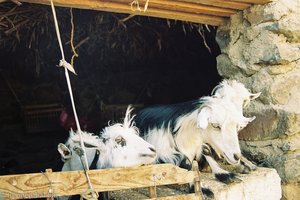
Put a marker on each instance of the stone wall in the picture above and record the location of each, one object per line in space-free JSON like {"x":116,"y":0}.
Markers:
{"x":261,"y":48}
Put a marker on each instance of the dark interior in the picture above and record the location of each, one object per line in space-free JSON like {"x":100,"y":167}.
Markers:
{"x":140,"y":61}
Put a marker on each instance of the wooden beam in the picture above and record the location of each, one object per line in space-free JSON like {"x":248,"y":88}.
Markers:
{"x":38,"y":185}
{"x":185,"y":7}
{"x":125,"y":8}
{"x":254,"y":1}
{"x":221,"y":3}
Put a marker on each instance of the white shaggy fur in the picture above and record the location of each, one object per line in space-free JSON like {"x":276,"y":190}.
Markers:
{"x":213,"y":120}
{"x":235,"y":92}
{"x":119,"y":146}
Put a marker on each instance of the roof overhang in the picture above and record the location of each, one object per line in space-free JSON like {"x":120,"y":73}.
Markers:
{"x":211,"y":12}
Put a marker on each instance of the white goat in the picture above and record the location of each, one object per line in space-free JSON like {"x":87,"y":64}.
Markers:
{"x":119,"y":145}
{"x":237,"y":93}
{"x":179,"y":131}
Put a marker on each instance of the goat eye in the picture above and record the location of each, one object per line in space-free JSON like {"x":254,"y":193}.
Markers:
{"x":217,"y":126}
{"x":120,"y":140}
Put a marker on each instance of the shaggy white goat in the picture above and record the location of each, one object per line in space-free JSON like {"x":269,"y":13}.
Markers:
{"x":179,"y":131}
{"x":241,"y":97}
{"x":118,"y":145}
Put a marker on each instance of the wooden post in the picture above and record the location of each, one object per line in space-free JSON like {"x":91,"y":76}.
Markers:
{"x":50,"y":185}
{"x":197,"y":184}
{"x":152,"y":190}
{"x":153,"y":193}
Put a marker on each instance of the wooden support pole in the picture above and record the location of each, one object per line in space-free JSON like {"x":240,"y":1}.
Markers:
{"x":197,"y":179}
{"x":50,"y":184}
{"x":153,"y":192}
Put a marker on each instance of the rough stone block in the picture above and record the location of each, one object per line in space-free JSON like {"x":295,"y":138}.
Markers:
{"x":262,"y":184}
{"x":282,"y":154}
{"x":265,"y":13}
{"x":291,"y":191}
{"x":271,"y":122}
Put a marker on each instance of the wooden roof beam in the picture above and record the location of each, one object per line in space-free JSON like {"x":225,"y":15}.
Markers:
{"x":221,"y":3}
{"x":253,"y":1}
{"x":125,"y":8}
{"x":183,"y":7}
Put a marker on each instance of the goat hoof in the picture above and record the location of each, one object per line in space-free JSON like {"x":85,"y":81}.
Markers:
{"x":246,"y":170}
{"x":243,"y":169}
{"x":248,"y":164}
{"x":247,"y":167}
{"x":226,"y":177}
{"x":205,"y":191}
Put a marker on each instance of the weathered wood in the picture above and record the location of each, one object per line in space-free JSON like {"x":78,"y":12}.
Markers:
{"x":195,"y":169}
{"x":211,"y":12}
{"x":125,"y":8}
{"x":37,"y":185}
{"x":254,"y":1}
{"x":183,"y":7}
{"x":221,"y":3}
{"x":153,"y":193}
{"x":51,"y":196}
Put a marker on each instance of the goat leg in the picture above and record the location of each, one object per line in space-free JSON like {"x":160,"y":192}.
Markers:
{"x":220,"y":174}
{"x":246,"y":166}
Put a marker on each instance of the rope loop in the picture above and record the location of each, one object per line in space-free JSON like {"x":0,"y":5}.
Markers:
{"x":89,"y":195}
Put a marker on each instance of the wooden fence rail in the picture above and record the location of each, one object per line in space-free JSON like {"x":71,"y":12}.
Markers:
{"x":49,"y":184}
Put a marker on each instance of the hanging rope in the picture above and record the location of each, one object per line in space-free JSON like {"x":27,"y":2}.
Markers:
{"x":72,"y":39}
{"x":67,"y":66}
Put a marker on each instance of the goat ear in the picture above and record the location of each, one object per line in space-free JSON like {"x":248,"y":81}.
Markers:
{"x":254,"y":95}
{"x":203,"y":116}
{"x":64,"y":151}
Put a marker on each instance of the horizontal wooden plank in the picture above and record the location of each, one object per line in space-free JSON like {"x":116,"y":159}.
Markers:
{"x":37,"y":185}
{"x":189,"y":17}
{"x":254,"y":1}
{"x":124,"y":8}
{"x":221,"y":3}
{"x":183,"y":7}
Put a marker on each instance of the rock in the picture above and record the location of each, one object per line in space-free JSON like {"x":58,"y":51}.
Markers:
{"x":281,"y":69}
{"x":260,"y":47}
{"x":282,"y":154}
{"x":291,"y":191}
{"x":271,"y":122}
{"x":262,"y":184}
